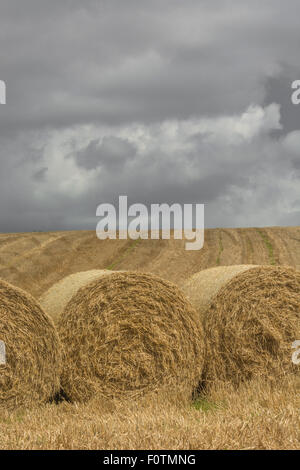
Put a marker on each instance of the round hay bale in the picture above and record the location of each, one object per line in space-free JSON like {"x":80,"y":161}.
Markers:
{"x":54,"y":300}
{"x":128,"y":334}
{"x":201,"y":287}
{"x":250,"y":325}
{"x":30,"y":356}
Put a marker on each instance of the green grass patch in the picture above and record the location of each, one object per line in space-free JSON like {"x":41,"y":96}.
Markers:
{"x":269,"y":246}
{"x":221,"y":248}
{"x":206,"y":405}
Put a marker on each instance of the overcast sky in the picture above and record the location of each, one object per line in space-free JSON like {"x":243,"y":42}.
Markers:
{"x":164,"y":101}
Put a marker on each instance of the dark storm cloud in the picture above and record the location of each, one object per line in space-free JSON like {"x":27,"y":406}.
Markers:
{"x":112,"y":152}
{"x":76,"y":62}
{"x":74,"y":67}
{"x":39,"y":175}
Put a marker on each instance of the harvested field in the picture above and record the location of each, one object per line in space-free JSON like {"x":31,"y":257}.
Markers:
{"x":36,"y":261}
{"x":30,"y":351}
{"x":259,"y":414}
{"x":129,"y":334}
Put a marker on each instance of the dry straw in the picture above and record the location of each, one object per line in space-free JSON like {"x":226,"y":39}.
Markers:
{"x":55,"y":299}
{"x":128,"y":334}
{"x":31,"y":353}
{"x":250,"y":321}
{"x":201,"y":287}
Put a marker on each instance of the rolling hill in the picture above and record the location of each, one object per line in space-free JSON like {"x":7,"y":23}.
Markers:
{"x":35,"y":261}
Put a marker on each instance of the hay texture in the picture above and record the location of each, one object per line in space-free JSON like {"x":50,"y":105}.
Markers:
{"x":250,"y":324}
{"x":55,"y":299}
{"x":128,"y":334}
{"x":201,"y":287}
{"x":30,"y":351}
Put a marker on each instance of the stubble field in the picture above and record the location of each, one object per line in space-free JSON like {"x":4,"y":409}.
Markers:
{"x":256,"y":416}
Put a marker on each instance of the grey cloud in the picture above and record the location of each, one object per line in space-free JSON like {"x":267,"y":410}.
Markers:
{"x":68,"y":63}
{"x":73,"y":64}
{"x":112,"y":153}
{"x":39,"y":175}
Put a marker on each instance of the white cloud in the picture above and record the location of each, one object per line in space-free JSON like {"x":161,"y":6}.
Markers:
{"x":291,"y":142}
